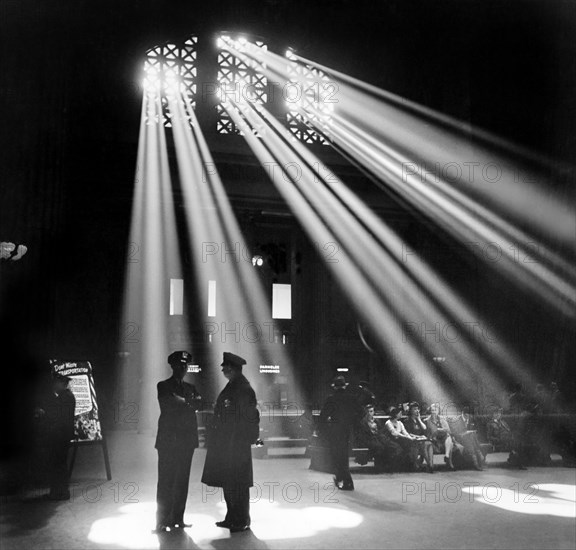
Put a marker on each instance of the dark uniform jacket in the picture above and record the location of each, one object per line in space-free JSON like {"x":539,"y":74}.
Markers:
{"x":235,"y":426}
{"x":177,"y":424}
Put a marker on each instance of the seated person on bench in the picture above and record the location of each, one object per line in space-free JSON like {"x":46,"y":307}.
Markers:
{"x":386,"y":453}
{"x":499,"y":433}
{"x":440,"y":436}
{"x":502,"y":438}
{"x":464,"y":432}
{"x":415,"y":426}
{"x":398,"y":434}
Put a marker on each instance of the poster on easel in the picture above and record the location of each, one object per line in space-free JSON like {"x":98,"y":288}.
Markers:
{"x":87,"y":425}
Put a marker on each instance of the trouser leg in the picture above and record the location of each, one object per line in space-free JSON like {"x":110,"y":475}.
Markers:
{"x":341,"y":462}
{"x":182,"y":465}
{"x":166,"y":476}
{"x":238,"y":505}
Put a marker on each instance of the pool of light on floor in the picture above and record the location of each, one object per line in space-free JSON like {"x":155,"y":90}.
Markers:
{"x":546,"y":499}
{"x":131,"y":528}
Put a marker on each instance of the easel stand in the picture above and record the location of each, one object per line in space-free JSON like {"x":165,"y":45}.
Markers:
{"x":102,"y":443}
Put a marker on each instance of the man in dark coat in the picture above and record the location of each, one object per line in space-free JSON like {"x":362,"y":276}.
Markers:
{"x":57,"y":413}
{"x":235,"y":426}
{"x":338,"y":416}
{"x":176,"y":440}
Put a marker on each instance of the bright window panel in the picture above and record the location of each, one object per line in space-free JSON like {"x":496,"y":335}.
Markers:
{"x":211,"y":298}
{"x":176,"y":296}
{"x":281,"y":301}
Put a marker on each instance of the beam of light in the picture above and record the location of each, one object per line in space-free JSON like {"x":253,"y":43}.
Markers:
{"x":541,"y":278}
{"x":465,"y":220}
{"x":376,"y":308}
{"x":395,"y":141}
{"x":372,"y":245}
{"x":211,"y":220}
{"x":351,"y":218}
{"x":395,"y":146}
{"x":153,"y":260}
{"x":270,"y":521}
{"x":537,"y":499}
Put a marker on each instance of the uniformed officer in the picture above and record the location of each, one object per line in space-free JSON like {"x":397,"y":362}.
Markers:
{"x":176,"y":440}
{"x":235,"y":426}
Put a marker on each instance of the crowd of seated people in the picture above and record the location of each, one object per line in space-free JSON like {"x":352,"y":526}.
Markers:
{"x":404,"y":440}
{"x":405,"y":445}
{"x":407,"y":441}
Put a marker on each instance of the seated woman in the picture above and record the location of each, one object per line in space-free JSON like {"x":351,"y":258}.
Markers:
{"x":439,"y":434}
{"x":387,"y":454}
{"x":415,"y":426}
{"x":398,"y":434}
{"x":462,"y":429}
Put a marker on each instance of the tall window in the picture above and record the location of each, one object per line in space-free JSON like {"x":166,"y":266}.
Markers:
{"x":239,"y":77}
{"x":310,"y":97}
{"x":171,"y":68}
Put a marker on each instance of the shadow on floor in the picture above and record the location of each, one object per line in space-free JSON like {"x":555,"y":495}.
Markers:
{"x":245,"y":540}
{"x":29,"y":515}
{"x":177,"y":540}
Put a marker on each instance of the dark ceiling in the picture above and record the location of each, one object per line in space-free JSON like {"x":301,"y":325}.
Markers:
{"x":71,"y":89}
{"x":70,"y":95}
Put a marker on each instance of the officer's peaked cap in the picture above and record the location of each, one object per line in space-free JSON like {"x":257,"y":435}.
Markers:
{"x":232,"y":360}
{"x":179,"y":357}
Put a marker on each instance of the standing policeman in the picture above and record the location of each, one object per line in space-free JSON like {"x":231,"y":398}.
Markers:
{"x":235,"y":426}
{"x":176,"y":440}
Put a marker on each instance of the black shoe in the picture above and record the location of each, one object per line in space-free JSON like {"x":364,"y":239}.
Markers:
{"x":347,"y":487}
{"x":448,"y":463}
{"x":430,"y":469}
{"x":238,"y":528}
{"x":224,"y":524}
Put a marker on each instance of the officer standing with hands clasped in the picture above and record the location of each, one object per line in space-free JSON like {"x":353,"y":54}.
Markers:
{"x":235,"y":426}
{"x":176,"y":440}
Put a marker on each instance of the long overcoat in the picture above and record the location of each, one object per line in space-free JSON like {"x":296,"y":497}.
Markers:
{"x":235,"y":426}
